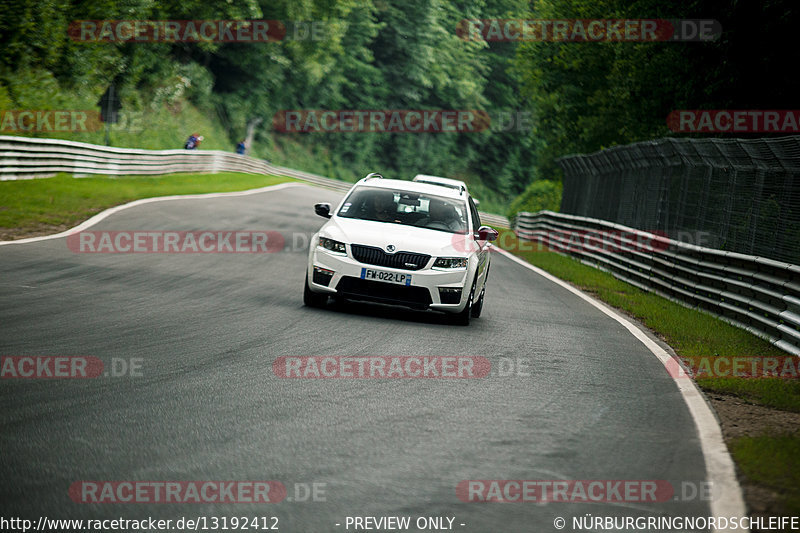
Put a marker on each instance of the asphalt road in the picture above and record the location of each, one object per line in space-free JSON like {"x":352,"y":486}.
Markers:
{"x":206,"y":328}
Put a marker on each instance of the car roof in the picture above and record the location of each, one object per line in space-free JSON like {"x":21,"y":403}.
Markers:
{"x":438,"y":179}
{"x":412,"y":186}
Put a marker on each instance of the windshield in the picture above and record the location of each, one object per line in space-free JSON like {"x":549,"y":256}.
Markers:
{"x":406,"y":208}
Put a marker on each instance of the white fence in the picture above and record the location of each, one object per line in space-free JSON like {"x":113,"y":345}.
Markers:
{"x":24,"y":158}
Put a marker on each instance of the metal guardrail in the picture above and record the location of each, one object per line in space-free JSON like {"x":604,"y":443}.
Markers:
{"x":758,"y":294}
{"x":494,"y":220}
{"x":25,"y":158}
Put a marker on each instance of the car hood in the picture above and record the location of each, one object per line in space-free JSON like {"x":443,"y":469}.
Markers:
{"x":404,"y":238}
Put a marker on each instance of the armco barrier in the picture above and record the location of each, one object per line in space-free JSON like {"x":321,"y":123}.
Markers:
{"x":758,"y":294}
{"x":24,"y":158}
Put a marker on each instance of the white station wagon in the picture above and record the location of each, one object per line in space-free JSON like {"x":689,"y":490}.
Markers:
{"x":401,"y":243}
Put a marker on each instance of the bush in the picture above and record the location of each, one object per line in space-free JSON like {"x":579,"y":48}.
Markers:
{"x":539,"y":195}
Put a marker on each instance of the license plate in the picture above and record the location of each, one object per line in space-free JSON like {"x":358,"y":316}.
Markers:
{"x":387,"y":277}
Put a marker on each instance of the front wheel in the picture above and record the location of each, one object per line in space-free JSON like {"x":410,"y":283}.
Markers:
{"x":463,"y":317}
{"x":313,"y":299}
{"x":477,"y":307}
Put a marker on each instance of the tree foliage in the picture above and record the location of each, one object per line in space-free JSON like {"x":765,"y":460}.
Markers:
{"x":390,"y":54}
{"x":589,"y":96}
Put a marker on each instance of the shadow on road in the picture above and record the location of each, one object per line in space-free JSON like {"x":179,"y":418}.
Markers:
{"x":390,"y":312}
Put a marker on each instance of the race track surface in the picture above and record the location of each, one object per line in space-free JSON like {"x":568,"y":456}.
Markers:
{"x":591,"y":402}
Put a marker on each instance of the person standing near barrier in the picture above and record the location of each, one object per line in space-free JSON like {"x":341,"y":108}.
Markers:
{"x":193,"y":142}
{"x":241,"y":147}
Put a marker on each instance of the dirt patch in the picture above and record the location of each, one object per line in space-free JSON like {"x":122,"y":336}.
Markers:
{"x":13,"y":234}
{"x":741,"y":419}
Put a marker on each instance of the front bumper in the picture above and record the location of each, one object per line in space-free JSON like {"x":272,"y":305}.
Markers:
{"x":422,"y":293}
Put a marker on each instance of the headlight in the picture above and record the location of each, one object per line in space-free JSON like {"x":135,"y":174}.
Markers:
{"x":332,"y":246}
{"x":451,"y":263}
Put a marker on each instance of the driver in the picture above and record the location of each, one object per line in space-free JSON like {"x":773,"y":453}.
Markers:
{"x":383,"y":207}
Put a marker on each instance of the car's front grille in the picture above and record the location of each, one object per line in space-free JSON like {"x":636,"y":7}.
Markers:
{"x":371,"y":255}
{"x":378,"y":291}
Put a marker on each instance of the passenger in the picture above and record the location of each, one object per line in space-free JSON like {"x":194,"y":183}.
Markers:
{"x":442,"y":215}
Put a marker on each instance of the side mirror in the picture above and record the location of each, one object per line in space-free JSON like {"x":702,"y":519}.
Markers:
{"x":476,"y":202}
{"x":485,"y":233}
{"x":323,"y":210}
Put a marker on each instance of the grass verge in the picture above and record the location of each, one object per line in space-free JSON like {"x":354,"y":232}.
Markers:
{"x":48,"y":205}
{"x":772,"y":461}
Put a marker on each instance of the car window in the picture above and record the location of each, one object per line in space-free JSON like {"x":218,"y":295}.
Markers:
{"x":406,"y":208}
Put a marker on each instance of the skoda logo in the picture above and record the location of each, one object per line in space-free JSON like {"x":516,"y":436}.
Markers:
{"x":391,"y":248}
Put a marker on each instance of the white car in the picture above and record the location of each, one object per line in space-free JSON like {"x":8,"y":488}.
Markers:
{"x":401,"y":243}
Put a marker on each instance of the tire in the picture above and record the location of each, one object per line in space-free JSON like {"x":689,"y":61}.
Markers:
{"x":477,"y":307}
{"x":462,"y":318}
{"x":312,"y":299}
